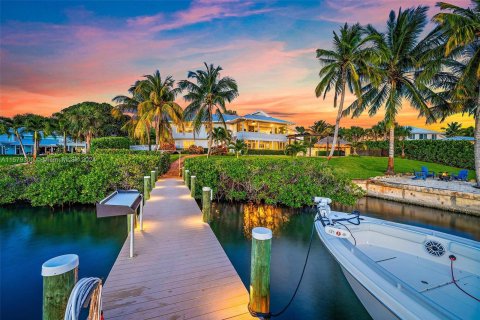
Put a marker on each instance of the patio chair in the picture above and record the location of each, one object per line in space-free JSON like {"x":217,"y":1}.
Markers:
{"x":423,"y":174}
{"x":462,"y":175}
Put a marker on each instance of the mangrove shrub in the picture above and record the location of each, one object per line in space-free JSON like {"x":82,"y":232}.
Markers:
{"x":276,"y":181}
{"x":59,"y":180}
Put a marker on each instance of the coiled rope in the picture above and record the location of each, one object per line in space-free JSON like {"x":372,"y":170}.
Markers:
{"x":85,"y":289}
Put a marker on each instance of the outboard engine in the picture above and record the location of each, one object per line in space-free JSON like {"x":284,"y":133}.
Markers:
{"x":332,"y":221}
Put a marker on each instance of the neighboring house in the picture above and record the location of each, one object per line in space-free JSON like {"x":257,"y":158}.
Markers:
{"x":257,"y":129}
{"x":425,"y":134}
{"x":9,"y":144}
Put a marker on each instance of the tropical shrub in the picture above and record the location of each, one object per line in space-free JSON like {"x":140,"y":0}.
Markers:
{"x":278,"y":181}
{"x":193,"y":149}
{"x":218,"y":151}
{"x":451,"y":153}
{"x":167,"y":146}
{"x":266,"y":152}
{"x":111,"y":143}
{"x":67,"y":179}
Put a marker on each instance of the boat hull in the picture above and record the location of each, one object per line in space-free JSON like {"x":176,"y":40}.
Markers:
{"x":375,"y":307}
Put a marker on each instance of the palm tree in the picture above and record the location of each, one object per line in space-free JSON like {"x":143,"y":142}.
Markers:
{"x":139,"y":126}
{"x":300,"y":130}
{"x":402,"y":133}
{"x":460,"y":28}
{"x":238,"y":147}
{"x":61,"y":124}
{"x":40,"y":127}
{"x":452,"y":129}
{"x":16,"y":127}
{"x":159,"y":105}
{"x":392,"y":76}
{"x":342,"y":67}
{"x":294,"y":148}
{"x":355,"y":136}
{"x":221,"y":135}
{"x":207,"y":95}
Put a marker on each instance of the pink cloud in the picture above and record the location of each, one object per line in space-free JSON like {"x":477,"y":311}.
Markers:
{"x":372,"y":11}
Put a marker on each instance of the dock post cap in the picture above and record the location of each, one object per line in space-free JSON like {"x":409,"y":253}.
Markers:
{"x":261,"y":233}
{"x":152,"y":171}
{"x":206,"y":189}
{"x":193,"y":176}
{"x":146,"y":177}
{"x":187,"y":170}
{"x":59,"y":265}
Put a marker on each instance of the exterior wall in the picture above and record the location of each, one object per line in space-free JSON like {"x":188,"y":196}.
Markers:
{"x":256,"y":134}
{"x":429,"y":197}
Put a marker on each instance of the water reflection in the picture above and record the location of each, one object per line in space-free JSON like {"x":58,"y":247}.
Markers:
{"x":30,"y":236}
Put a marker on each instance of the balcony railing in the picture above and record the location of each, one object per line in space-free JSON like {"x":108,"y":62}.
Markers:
{"x":245,"y":135}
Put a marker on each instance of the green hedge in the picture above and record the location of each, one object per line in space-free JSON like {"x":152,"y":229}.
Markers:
{"x":451,"y":153}
{"x":265,"y":152}
{"x":335,"y":153}
{"x":290,"y":182}
{"x":111,"y":143}
{"x":59,"y":180}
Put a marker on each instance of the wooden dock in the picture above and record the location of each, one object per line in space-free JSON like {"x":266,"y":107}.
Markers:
{"x":180,"y":270}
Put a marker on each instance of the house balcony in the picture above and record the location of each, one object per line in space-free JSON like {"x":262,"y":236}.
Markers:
{"x":260,"y":136}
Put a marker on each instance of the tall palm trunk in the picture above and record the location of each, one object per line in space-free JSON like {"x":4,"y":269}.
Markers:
{"x":477,"y":141}
{"x":157,"y":132}
{"x":22,"y":147}
{"x":391,"y":151}
{"x":210,"y":130}
{"x":337,"y":120}
{"x":64,"y":142}
{"x":88,"y":141}
{"x":35,"y":145}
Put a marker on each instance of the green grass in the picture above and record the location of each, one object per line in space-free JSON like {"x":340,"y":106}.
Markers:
{"x":368,"y":167}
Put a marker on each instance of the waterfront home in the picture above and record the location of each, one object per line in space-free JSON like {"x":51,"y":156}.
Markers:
{"x":258,"y":129}
{"x":9,"y":144}
{"x":425,"y":134}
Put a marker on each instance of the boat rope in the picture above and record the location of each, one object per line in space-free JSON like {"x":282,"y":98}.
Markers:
{"x":86,"y":289}
{"x":453,"y":258}
{"x":351,"y":233}
{"x":277,"y":314}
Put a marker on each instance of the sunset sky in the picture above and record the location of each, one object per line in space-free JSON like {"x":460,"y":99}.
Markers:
{"x":57,"y":53}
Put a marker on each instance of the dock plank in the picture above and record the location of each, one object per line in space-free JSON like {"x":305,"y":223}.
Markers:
{"x":180,"y":270}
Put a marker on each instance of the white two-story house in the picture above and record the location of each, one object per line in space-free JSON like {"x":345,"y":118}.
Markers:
{"x":257,"y":129}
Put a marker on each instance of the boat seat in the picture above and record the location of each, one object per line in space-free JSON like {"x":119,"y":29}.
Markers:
{"x":398,"y":233}
{"x":465,"y":251}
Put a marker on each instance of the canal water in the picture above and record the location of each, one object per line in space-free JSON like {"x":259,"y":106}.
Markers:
{"x":324,"y":292}
{"x":30,"y":236}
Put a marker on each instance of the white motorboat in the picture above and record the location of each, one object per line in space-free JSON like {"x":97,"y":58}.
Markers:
{"x":400,"y":271}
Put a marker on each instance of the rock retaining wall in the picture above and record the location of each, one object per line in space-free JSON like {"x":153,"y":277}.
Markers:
{"x":450,"y":200}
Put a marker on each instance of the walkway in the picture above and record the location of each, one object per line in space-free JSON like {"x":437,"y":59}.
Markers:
{"x":180,"y":270}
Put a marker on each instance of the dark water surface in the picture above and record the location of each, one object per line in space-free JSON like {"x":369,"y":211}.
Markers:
{"x":324,"y":292}
{"x":30,"y":236}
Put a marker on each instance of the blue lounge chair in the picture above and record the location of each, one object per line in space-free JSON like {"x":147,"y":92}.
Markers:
{"x":423,"y":174}
{"x":462,"y":175}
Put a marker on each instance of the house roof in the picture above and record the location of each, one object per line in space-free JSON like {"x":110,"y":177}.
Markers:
{"x":329,"y":140}
{"x":257,"y":116}
{"x":416,"y":130}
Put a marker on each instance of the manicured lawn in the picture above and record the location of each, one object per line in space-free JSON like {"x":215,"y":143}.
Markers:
{"x":367,"y":167}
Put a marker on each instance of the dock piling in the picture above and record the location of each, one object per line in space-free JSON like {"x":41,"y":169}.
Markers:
{"x":206,"y":203}
{"x":187,"y":178}
{"x":60,"y":274}
{"x":153,"y":179}
{"x":131,"y":231}
{"x":146,"y":187}
{"x":192,"y":186}
{"x":182,"y":174}
{"x":260,"y":270}
{"x":157,"y":173}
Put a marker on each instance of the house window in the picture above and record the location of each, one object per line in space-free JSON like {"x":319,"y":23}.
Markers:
{"x":434,"y":137}
{"x":412,"y":137}
{"x":423,"y":136}
{"x":188,"y":143}
{"x":187,"y":128}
